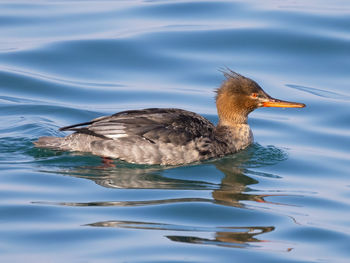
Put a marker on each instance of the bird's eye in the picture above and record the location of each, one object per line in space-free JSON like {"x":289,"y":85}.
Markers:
{"x":254,"y":95}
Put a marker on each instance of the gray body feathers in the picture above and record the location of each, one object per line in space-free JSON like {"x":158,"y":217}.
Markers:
{"x":152,"y":136}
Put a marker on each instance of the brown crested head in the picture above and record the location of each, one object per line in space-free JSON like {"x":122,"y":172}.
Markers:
{"x":238,"y":96}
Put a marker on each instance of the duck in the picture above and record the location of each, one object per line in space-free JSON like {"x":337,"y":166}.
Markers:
{"x":171,"y":136}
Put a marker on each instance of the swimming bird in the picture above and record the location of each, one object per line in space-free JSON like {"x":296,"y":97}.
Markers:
{"x":168,"y":136}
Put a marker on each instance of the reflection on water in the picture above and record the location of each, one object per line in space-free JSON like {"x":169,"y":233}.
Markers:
{"x":223,"y":236}
{"x":231,"y":191}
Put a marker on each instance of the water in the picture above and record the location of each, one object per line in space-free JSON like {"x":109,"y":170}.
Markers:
{"x":284,"y":199}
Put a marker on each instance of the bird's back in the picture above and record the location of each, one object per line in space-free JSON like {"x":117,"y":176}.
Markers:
{"x":149,"y":136}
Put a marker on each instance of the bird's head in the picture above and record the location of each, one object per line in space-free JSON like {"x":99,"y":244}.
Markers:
{"x":238,"y":96}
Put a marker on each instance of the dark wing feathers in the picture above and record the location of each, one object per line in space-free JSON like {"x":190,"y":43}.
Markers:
{"x":73,"y":127}
{"x":165,"y":125}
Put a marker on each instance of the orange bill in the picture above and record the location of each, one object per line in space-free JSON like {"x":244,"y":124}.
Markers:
{"x":282,"y":104}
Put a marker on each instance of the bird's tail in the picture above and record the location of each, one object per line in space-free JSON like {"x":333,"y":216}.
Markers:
{"x":49,"y":142}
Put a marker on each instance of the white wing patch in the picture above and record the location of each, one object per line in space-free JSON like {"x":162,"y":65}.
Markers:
{"x":116,"y":136}
{"x":110,"y":130}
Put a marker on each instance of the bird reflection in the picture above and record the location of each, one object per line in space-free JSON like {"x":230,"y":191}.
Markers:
{"x":239,"y":237}
{"x":223,"y":236}
{"x":232,"y":190}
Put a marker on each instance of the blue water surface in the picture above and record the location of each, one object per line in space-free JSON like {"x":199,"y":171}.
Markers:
{"x":283,"y":199}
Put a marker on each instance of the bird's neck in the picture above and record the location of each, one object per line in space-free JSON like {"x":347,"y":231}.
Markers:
{"x":239,"y":134}
{"x":233,"y":126}
{"x":231,"y":110}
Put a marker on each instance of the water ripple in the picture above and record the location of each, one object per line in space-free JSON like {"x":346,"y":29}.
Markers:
{"x":322,"y":93}
{"x":240,"y":237}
